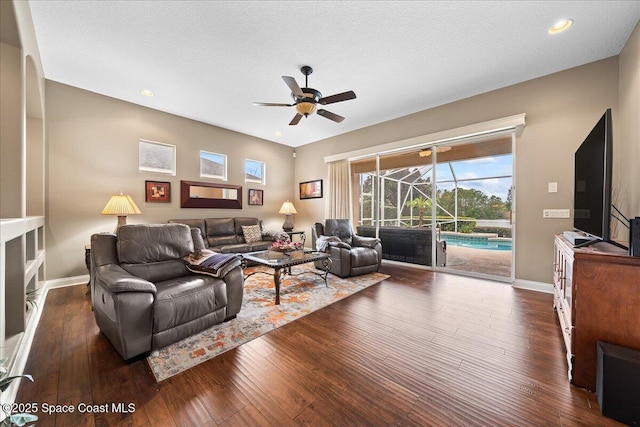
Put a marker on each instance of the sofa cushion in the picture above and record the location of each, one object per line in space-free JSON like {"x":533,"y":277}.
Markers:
{"x":147,"y":243}
{"x":158,"y":271}
{"x":340,"y":228}
{"x":235,"y":248}
{"x":363,"y":256}
{"x":193,"y":223}
{"x":153,"y":251}
{"x":184,"y":299}
{"x":220,"y":231}
{"x":251,"y":233}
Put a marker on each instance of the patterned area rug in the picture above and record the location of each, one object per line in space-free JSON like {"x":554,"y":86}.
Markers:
{"x":299,"y":296}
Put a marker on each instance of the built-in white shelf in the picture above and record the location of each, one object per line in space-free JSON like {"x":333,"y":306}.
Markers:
{"x":22,"y":259}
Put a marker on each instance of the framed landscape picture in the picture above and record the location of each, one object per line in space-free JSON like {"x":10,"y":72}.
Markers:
{"x":157,"y":192}
{"x":255,"y":197}
{"x":311,"y":189}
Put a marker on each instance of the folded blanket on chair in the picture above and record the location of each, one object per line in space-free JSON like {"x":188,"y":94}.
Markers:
{"x":212,"y":263}
{"x":323,"y":241}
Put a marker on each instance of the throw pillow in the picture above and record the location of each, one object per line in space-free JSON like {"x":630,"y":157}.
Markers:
{"x":252,"y":233}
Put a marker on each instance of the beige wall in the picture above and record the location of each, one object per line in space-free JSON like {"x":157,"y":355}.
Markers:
{"x":627,"y":150}
{"x":93,"y":153}
{"x":560,"y":110}
{"x":11,"y":119}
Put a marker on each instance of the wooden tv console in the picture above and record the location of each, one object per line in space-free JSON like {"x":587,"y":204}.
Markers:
{"x":597,"y":298}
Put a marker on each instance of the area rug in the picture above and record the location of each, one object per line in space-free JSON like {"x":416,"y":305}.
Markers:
{"x":259,"y":315}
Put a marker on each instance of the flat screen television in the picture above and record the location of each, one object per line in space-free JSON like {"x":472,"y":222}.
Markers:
{"x":592,"y":186}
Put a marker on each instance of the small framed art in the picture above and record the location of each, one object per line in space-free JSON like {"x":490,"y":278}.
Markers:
{"x":157,"y":192}
{"x":255,"y":197}
{"x":311,"y":189}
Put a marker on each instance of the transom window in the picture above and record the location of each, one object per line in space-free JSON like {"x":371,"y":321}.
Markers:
{"x":156,"y":157}
{"x":213,"y":165}
{"x":254,"y":171}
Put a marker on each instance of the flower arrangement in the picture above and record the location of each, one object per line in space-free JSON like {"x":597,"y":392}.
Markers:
{"x":282,"y":244}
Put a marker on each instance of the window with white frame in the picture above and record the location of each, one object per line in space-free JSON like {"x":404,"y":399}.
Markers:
{"x":156,"y":157}
{"x":254,"y":172}
{"x":213,"y":165}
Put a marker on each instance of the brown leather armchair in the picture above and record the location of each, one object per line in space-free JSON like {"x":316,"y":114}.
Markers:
{"x":351,"y":255}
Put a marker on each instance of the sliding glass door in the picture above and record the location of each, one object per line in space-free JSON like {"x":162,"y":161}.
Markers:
{"x":461,"y":224}
{"x":474,"y":183}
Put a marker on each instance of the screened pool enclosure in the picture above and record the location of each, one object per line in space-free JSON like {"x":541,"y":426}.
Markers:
{"x":470,"y":205}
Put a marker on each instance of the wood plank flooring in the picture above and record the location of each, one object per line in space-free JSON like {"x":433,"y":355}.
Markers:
{"x":419,"y":349}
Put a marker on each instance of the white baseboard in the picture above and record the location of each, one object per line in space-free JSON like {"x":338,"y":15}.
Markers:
{"x":66,"y":281}
{"x":547,"y":288}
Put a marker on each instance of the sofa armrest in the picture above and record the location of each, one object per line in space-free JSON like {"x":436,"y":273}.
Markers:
{"x":116,"y":280}
{"x":366,"y":242}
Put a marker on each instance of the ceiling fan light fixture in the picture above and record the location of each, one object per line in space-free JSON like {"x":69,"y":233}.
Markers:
{"x":306,"y":99}
{"x":305,"y":108}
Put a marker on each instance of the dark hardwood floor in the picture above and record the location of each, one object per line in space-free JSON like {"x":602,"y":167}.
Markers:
{"x":418,"y":349}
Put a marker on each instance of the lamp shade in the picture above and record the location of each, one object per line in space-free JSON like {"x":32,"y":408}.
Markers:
{"x":121,"y":205}
{"x":287,"y":208}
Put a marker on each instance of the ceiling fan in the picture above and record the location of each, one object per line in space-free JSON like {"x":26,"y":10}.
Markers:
{"x":307,"y":99}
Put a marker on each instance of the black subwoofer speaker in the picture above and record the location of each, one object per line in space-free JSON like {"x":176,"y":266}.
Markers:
{"x":618,"y":383}
{"x":634,"y":236}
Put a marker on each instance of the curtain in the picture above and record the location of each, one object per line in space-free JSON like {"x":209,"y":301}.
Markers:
{"x":338,"y":190}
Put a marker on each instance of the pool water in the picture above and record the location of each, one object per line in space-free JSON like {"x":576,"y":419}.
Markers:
{"x":478,"y":242}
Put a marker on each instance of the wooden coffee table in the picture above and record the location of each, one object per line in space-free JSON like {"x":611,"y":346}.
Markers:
{"x":281,"y":264}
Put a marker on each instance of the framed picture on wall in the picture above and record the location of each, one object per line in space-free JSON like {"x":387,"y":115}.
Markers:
{"x":311,"y":189}
{"x":255,"y":197}
{"x":157,"y":192}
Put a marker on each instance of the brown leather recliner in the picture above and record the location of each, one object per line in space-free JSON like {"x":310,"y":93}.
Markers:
{"x":144,"y":297}
{"x":351,"y":255}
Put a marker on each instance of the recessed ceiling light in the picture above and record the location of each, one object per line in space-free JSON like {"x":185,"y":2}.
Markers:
{"x":146,"y":92}
{"x":278,"y":133}
{"x":560,"y":26}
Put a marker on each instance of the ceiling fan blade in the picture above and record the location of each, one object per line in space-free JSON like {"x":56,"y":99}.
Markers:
{"x":295,"y":120}
{"x":329,"y":115}
{"x":271,"y":104}
{"x":344,"y":96}
{"x":293,"y":85}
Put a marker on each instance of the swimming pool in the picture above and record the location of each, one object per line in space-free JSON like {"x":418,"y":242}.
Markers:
{"x":493,"y":243}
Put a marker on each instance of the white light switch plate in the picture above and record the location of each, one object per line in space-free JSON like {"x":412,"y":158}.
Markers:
{"x":553,"y":187}
{"x":556,"y":213}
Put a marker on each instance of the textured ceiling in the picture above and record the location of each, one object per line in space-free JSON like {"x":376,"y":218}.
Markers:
{"x":209,"y":61}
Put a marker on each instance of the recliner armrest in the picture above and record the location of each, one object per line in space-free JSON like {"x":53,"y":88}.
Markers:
{"x":367,"y":242}
{"x":116,"y":279}
{"x":341,"y":245}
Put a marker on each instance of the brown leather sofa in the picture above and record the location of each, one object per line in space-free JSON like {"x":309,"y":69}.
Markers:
{"x":351,"y":255}
{"x":225,"y":235}
{"x":144,"y":297}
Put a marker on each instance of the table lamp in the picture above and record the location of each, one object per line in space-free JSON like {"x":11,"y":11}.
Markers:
{"x":287,"y":209}
{"x":121,"y":205}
